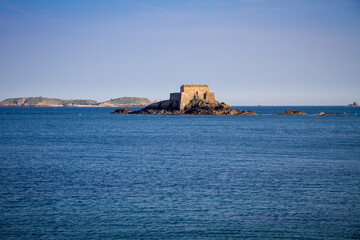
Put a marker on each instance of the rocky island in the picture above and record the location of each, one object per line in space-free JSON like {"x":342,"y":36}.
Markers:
{"x":55,"y":102}
{"x":191,"y":100}
{"x":354,"y":104}
{"x":292,"y":112}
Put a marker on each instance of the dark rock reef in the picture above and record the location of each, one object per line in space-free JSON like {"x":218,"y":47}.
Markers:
{"x":292,"y":112}
{"x":121,"y":111}
{"x":331,"y":114}
{"x":195,"y":107}
{"x":324,"y":114}
{"x":203,"y":107}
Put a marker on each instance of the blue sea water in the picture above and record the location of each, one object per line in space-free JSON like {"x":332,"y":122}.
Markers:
{"x":82,"y":173}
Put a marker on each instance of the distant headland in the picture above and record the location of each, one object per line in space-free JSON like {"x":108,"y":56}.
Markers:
{"x":55,"y":102}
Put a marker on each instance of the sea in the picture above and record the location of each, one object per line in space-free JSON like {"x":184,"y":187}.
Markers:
{"x":83,"y":173}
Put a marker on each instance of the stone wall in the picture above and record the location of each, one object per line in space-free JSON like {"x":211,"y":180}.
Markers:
{"x":193,"y":87}
{"x":189,"y":92}
{"x":210,"y":96}
{"x":175,"y":96}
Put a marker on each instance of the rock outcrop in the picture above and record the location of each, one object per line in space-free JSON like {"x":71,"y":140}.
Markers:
{"x":354,"y":104}
{"x":331,"y":114}
{"x":203,"y":107}
{"x":324,"y":114}
{"x":292,"y":112}
{"x":195,"y":107}
{"x":167,"y":105}
{"x":122,"y":111}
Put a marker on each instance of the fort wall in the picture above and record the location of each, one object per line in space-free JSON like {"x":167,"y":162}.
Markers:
{"x":190,"y":92}
{"x":187,"y":93}
{"x":175,"y":96}
{"x":210,"y":96}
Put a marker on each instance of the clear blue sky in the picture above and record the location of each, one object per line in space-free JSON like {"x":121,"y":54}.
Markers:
{"x":250,"y":52}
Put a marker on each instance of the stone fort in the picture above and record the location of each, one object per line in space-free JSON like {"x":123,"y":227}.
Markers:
{"x":190,"y":92}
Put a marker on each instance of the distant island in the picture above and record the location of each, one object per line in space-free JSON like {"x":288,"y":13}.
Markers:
{"x":354,"y":104}
{"x":55,"y":102}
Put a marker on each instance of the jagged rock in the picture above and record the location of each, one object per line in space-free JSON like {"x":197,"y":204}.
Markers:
{"x":204,"y":107}
{"x":354,"y":104}
{"x":122,"y":111}
{"x":168,"y":105}
{"x":195,"y":107}
{"x":162,"y":107}
{"x":247,"y":113}
{"x":330,"y":114}
{"x":292,"y":112}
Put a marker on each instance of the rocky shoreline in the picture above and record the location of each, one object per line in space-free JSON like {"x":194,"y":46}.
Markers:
{"x":203,"y":107}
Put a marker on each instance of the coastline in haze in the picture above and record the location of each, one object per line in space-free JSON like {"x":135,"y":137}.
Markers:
{"x":54,"y":102}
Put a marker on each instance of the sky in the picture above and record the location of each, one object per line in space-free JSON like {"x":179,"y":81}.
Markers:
{"x":249,"y":52}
